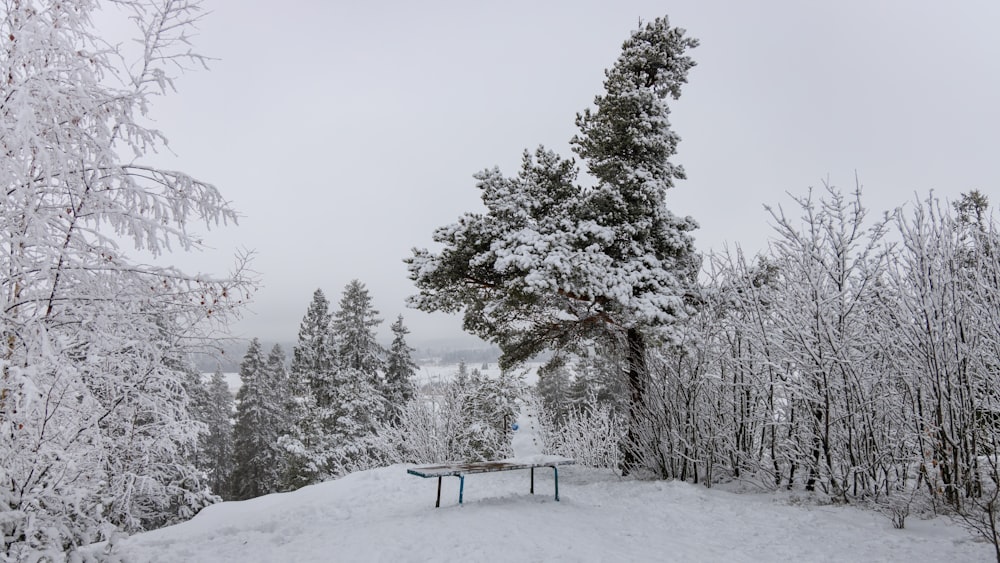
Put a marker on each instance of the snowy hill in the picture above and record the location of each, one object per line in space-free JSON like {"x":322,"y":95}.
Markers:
{"x":387,"y":515}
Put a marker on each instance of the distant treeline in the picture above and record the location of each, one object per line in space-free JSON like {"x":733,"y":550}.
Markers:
{"x":228,"y":355}
{"x":474,"y":356}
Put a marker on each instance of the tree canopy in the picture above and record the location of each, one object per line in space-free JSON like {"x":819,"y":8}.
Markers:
{"x":553,"y":261}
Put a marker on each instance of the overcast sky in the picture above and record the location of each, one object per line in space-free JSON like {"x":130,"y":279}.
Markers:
{"x":345,"y":132}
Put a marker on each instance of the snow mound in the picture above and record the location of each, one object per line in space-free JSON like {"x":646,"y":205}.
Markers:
{"x":387,"y":515}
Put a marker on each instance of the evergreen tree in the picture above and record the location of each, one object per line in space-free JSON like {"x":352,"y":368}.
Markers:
{"x":339,"y":401}
{"x":257,"y":459}
{"x":309,"y":388}
{"x":275,"y":366}
{"x":399,"y":372}
{"x":357,"y":408}
{"x":216,"y":444}
{"x":352,"y":421}
{"x":354,"y":326}
{"x":314,"y":356}
{"x":283,"y":390}
{"x":358,"y":353}
{"x":306,"y":444}
{"x":211,"y":404}
{"x":972,"y":209}
{"x":553,"y":264}
{"x":199,"y":404}
{"x":972,"y":220}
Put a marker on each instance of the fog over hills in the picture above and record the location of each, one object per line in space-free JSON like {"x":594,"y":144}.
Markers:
{"x":228,"y":354}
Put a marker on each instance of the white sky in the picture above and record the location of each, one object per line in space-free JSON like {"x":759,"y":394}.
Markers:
{"x":345,"y":132}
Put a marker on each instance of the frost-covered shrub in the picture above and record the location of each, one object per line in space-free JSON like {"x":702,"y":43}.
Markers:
{"x":463,"y":420}
{"x":485,"y":408}
{"x":590,"y":433}
{"x":980,"y":514}
{"x":419,"y":436}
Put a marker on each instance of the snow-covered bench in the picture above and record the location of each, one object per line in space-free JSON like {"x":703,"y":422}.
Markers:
{"x":460,"y":470}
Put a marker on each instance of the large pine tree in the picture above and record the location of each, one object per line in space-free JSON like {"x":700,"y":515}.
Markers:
{"x":335,"y":377}
{"x":553,"y":263}
{"x":359,"y":354}
{"x":309,"y":392}
{"x":358,"y":407}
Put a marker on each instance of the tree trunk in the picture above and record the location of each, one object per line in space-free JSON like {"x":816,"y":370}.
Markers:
{"x":637,"y":374}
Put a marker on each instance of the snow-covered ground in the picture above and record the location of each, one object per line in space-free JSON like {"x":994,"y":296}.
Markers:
{"x":387,"y":515}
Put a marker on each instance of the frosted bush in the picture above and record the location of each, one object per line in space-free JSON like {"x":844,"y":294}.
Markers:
{"x":591,"y":434}
{"x":464,"y":420}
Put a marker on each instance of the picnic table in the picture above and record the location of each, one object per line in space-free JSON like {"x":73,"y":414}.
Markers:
{"x":461,"y":469}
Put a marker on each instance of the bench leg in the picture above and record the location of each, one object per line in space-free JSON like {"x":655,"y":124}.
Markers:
{"x":555,"y":471}
{"x":438,"y":503}
{"x":461,"y":487}
{"x":532,"y":480}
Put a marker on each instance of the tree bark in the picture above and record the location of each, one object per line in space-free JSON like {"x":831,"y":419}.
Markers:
{"x":637,"y":376}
